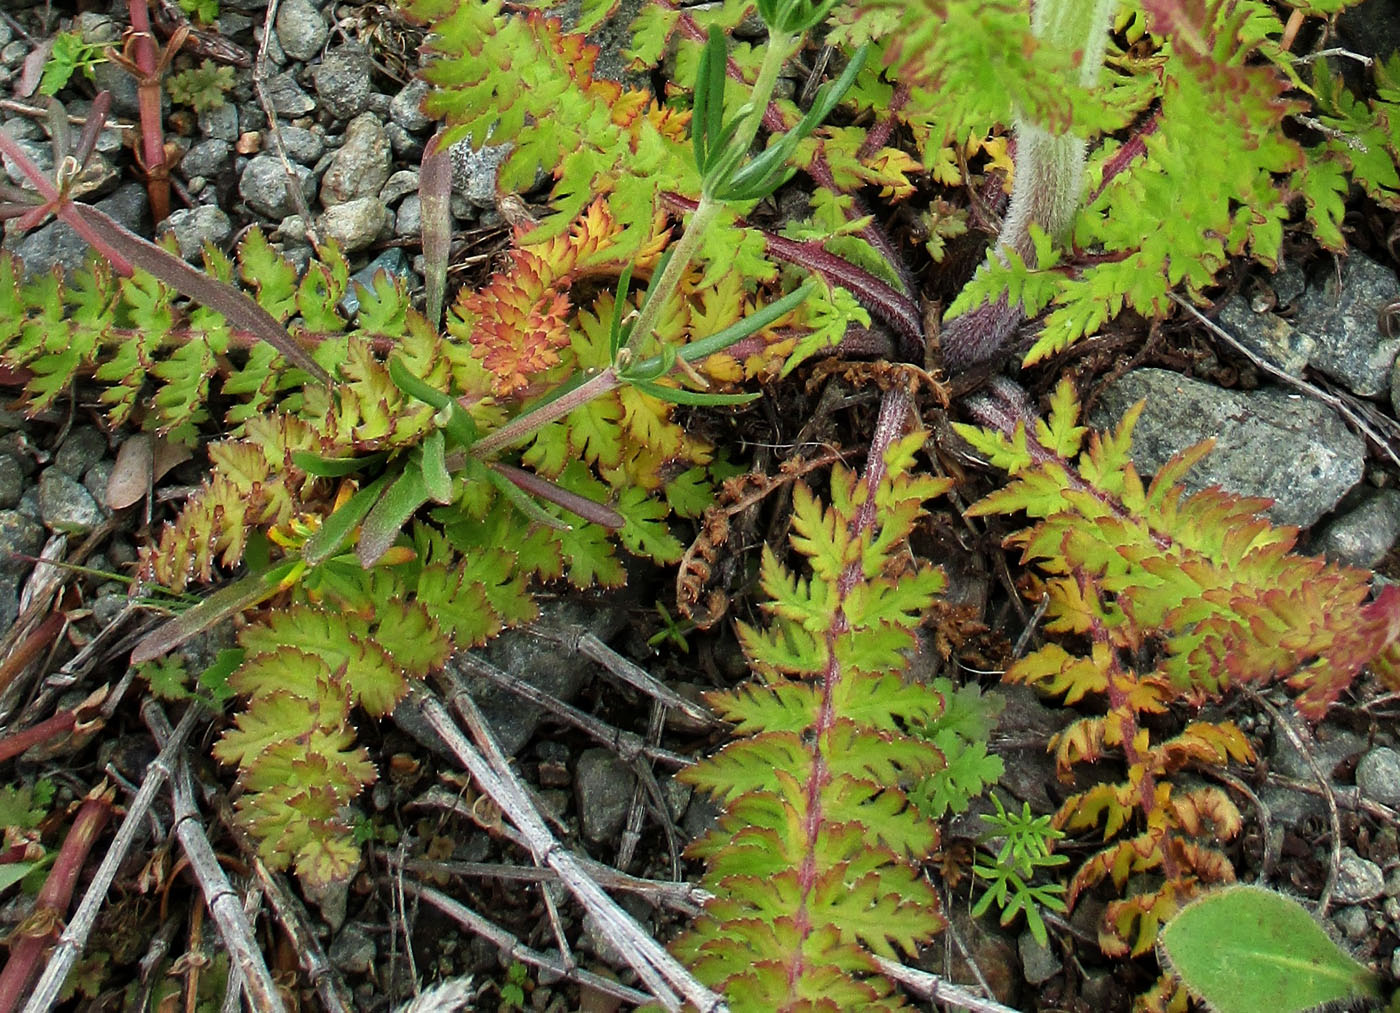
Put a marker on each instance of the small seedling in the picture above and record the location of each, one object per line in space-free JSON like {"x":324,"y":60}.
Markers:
{"x":1024,"y":852}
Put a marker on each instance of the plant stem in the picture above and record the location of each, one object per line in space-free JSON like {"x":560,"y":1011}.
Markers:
{"x":780,"y":47}
{"x":660,"y":293}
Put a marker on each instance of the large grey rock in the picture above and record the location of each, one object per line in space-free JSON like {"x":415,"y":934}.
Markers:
{"x":301,"y":29}
{"x":82,"y":448}
{"x":302,"y":145}
{"x":67,"y":508}
{"x":263,"y":186}
{"x":1268,"y":442}
{"x":287,"y":97}
{"x":20,"y":539}
{"x":1331,"y":746}
{"x":542,"y":663}
{"x":1343,"y":319}
{"x":342,"y":82}
{"x":11,"y":481}
{"x":474,"y":170}
{"x":207,"y":158}
{"x":406,"y":106}
{"x":1358,"y":879}
{"x":361,"y":166}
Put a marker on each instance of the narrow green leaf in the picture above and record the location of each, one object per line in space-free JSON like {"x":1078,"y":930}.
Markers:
{"x":435,"y":475}
{"x":388,"y":516}
{"x":336,"y":528}
{"x":335,"y":467}
{"x":679,"y":395}
{"x":224,"y":603}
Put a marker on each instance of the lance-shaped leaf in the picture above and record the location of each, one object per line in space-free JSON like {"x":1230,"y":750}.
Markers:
{"x":238,"y":309}
{"x":435,"y":193}
{"x":595,"y":513}
{"x":228,"y":601}
{"x":388,"y":516}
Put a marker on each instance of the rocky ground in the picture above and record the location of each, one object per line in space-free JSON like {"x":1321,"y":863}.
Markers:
{"x":1301,"y":392}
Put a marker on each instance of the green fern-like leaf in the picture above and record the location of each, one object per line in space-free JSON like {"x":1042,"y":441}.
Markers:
{"x":810,"y":864}
{"x":1217,"y":595}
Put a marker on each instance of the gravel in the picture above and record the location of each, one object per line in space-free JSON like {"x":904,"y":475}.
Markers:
{"x":1378,"y":776}
{"x":360,"y":167}
{"x":342,"y":82}
{"x":263,"y":186}
{"x":301,"y":29}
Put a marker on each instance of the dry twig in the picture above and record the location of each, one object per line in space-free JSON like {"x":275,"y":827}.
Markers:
{"x":663,"y":974}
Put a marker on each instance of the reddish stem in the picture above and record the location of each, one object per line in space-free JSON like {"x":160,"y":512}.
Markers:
{"x":60,"y":724}
{"x":39,"y":931}
{"x":143,"y":54}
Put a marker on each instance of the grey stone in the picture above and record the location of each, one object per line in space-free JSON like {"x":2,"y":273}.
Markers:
{"x":1268,"y":442}
{"x":392,"y":262}
{"x":11,"y":481}
{"x":1352,"y":922}
{"x":474,"y":170}
{"x":57,"y":243}
{"x":287,"y":97}
{"x":1029,"y":769}
{"x":353,"y":950}
{"x":1344,"y":321}
{"x":701,"y":816}
{"x":1268,"y":335}
{"x":1363,"y":535}
{"x":302,"y":145}
{"x":342,"y":82}
{"x":107,"y":607}
{"x":1331,"y":746}
{"x":95,"y":482}
{"x":331,"y":899}
{"x":406,"y":107}
{"x":40,"y":152}
{"x":126,"y":99}
{"x":301,"y":29}
{"x":603,"y":787}
{"x":399,"y":185}
{"x":378,"y":103}
{"x":13,"y":53}
{"x":28,"y":504}
{"x":193,"y":227}
{"x":1378,"y":776}
{"x":406,"y":145}
{"x":207,"y":158}
{"x":357,"y":223}
{"x":1358,"y":880}
{"x":263,"y":186}
{"x":82,"y":448}
{"x":1038,"y":961}
{"x":220,"y":123}
{"x":361,"y":167}
{"x":541,"y":663}
{"x":409,"y":220}
{"x":66,"y":507}
{"x":6,"y":33}
{"x":19,"y":536}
